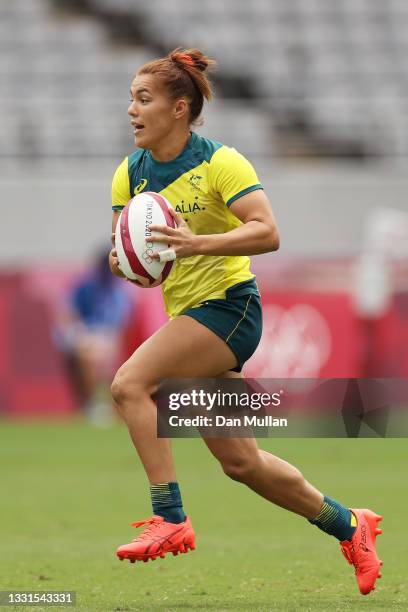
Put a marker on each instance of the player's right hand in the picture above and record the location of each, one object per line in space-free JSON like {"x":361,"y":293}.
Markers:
{"x":114,"y":263}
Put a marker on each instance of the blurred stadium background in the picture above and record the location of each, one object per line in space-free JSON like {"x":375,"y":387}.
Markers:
{"x":314,"y":92}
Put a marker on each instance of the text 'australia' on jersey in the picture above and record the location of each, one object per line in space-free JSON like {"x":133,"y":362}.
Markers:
{"x":200,"y":184}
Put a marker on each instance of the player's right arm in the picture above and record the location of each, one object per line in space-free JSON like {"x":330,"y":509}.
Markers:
{"x":120,"y":197}
{"x":113,"y":256}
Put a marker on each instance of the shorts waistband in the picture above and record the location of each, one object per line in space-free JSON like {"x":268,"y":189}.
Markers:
{"x":245,"y":288}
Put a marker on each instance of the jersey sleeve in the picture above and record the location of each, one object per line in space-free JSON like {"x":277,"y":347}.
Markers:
{"x":121,"y":186}
{"x":232,"y":175}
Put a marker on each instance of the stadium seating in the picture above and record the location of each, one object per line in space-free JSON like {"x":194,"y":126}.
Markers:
{"x":64,"y":90}
{"x":332,"y":72}
{"x":339,"y":65}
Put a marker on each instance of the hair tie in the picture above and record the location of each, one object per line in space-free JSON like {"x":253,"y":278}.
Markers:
{"x":187,"y":59}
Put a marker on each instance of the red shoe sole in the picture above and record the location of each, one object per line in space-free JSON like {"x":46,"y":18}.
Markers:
{"x":185,"y":546}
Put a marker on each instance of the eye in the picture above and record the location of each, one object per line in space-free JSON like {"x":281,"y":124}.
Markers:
{"x":144,"y":101}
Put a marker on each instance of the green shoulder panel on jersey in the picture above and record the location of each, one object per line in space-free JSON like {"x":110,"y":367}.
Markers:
{"x":145,"y":173}
{"x":135,"y":158}
{"x":204,"y":147}
{"x":136,"y":164}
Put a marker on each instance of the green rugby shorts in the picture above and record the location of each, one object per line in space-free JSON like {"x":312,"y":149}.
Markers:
{"x":237,"y":319}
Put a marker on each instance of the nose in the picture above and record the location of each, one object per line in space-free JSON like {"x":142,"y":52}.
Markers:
{"x":132,"y":109}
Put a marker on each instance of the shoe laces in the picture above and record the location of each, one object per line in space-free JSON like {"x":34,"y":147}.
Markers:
{"x":152,"y":525}
{"x":352,"y":555}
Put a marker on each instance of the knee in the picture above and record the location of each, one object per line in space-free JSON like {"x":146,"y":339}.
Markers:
{"x":126,"y":387}
{"x":240,"y":469}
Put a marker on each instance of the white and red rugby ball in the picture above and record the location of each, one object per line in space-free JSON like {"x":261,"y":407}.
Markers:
{"x":132,"y":242}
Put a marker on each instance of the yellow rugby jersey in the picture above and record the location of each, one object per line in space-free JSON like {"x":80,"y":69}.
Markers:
{"x":200,"y":184}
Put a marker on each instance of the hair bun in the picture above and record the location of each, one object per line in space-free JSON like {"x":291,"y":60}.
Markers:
{"x":191,"y":57}
{"x":183,"y":74}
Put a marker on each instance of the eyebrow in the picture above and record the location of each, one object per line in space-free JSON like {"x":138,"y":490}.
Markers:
{"x":140,"y":90}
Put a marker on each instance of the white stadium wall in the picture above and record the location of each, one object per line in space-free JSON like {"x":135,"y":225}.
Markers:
{"x":62,"y":214}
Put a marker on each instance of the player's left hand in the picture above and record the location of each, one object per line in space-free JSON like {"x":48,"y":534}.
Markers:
{"x":181,"y":239}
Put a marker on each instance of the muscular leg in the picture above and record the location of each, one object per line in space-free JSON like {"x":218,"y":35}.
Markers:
{"x":284,"y":485}
{"x":273,"y":478}
{"x":182,"y":348}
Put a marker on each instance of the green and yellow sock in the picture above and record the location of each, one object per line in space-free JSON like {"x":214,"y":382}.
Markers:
{"x":167,"y":502}
{"x":336,"y":520}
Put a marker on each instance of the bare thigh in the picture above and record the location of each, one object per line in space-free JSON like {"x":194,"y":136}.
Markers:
{"x":183,"y":348}
{"x":228,"y":450}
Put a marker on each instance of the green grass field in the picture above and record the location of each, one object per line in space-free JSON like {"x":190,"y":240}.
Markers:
{"x":69,"y":493}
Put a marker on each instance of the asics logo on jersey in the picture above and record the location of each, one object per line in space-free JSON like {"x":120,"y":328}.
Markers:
{"x":140,"y":186}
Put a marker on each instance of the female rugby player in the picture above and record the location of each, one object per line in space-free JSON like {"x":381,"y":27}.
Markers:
{"x":214,"y":307}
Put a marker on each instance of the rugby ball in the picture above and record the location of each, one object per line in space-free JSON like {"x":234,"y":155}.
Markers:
{"x":132,"y":242}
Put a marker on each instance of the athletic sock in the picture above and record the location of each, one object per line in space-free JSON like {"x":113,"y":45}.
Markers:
{"x":167,"y":502}
{"x":336,"y":520}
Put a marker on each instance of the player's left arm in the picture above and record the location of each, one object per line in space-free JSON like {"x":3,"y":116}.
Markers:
{"x":257,"y":234}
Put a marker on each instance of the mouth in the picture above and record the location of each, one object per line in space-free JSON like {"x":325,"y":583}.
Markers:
{"x":137,"y":127}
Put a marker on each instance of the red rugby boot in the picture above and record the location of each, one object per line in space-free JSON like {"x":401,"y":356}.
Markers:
{"x":157,"y":539}
{"x":360,"y":551}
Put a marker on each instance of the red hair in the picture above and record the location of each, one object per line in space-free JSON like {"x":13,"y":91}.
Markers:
{"x":183,"y":73}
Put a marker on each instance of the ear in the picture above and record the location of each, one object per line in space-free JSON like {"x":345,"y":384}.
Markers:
{"x":180,"y":108}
